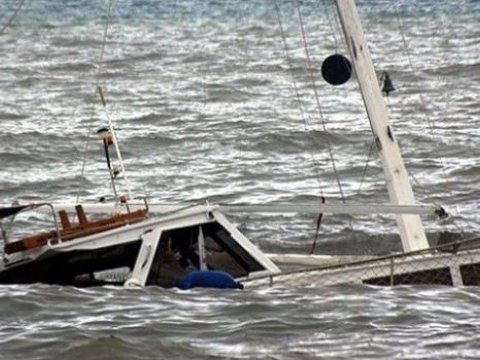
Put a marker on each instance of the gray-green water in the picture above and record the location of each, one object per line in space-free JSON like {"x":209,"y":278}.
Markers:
{"x":204,"y":103}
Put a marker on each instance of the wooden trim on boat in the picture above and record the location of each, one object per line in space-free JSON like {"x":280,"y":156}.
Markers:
{"x":82,"y":218}
{"x":64,"y":220}
{"x":70,"y":232}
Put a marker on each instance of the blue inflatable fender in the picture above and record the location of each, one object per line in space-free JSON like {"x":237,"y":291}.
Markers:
{"x":208,"y":279}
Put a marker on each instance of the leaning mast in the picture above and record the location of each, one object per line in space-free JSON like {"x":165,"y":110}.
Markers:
{"x":396,"y":176}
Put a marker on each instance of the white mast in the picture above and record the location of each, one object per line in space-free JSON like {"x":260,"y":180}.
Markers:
{"x":396,"y":176}
{"x":117,"y":148}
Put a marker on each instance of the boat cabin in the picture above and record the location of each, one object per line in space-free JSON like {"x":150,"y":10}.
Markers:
{"x":133,"y":250}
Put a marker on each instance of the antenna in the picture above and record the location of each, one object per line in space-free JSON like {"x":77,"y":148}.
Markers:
{"x":104,"y":134}
{"x":109,"y":137}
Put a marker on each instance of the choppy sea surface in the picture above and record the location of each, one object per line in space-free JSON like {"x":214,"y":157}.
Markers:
{"x":214,"y":100}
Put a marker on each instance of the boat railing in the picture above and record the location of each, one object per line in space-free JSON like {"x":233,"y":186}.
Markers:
{"x":441,"y":264}
{"x":65,"y":230}
{"x":10,"y":213}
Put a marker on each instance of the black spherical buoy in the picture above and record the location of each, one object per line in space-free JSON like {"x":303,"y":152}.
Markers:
{"x":336,"y":69}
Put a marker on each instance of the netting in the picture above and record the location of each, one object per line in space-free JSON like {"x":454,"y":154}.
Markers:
{"x":456,"y":264}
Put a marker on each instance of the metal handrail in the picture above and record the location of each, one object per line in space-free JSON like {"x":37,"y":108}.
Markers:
{"x":36,"y":206}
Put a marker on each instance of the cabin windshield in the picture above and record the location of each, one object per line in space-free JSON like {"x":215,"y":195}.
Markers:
{"x":177,"y":254}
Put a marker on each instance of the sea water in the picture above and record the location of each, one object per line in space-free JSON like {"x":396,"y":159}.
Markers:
{"x":214,"y":100}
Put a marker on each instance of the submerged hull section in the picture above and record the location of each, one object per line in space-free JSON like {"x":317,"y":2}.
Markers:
{"x":113,"y":265}
{"x":81,"y":268}
{"x":448,"y":264}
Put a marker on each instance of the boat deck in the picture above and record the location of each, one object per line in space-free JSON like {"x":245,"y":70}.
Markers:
{"x":70,"y":231}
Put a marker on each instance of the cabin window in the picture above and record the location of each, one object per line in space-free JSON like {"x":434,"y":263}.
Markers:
{"x":177,"y":254}
{"x":470,"y":274}
{"x":105,"y":266}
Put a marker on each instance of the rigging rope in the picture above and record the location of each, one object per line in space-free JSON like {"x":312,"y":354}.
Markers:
{"x":317,"y":231}
{"x":305,"y":123}
{"x":317,"y":100}
{"x":330,"y":23}
{"x":306,"y":127}
{"x":297,"y":94}
{"x":413,"y":69}
{"x":14,"y":15}
{"x":336,"y":28}
{"x":429,"y":122}
{"x":97,"y":84}
{"x":365,"y":168}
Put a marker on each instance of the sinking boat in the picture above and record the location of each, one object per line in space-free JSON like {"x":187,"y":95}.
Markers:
{"x":132,"y":249}
{"x":139,"y":245}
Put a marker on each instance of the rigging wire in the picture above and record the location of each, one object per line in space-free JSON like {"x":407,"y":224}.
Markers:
{"x":97,"y":84}
{"x":304,"y":118}
{"x":286,"y":51}
{"x":317,"y":100}
{"x":305,"y":124}
{"x":429,"y":122}
{"x":365,"y":168}
{"x":336,"y":28}
{"x":12,"y":18}
{"x":423,"y":102}
{"x":331,"y":24}
{"x":413,"y":69}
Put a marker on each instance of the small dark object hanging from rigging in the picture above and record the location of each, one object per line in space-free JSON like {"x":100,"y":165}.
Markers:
{"x":387,"y":84}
